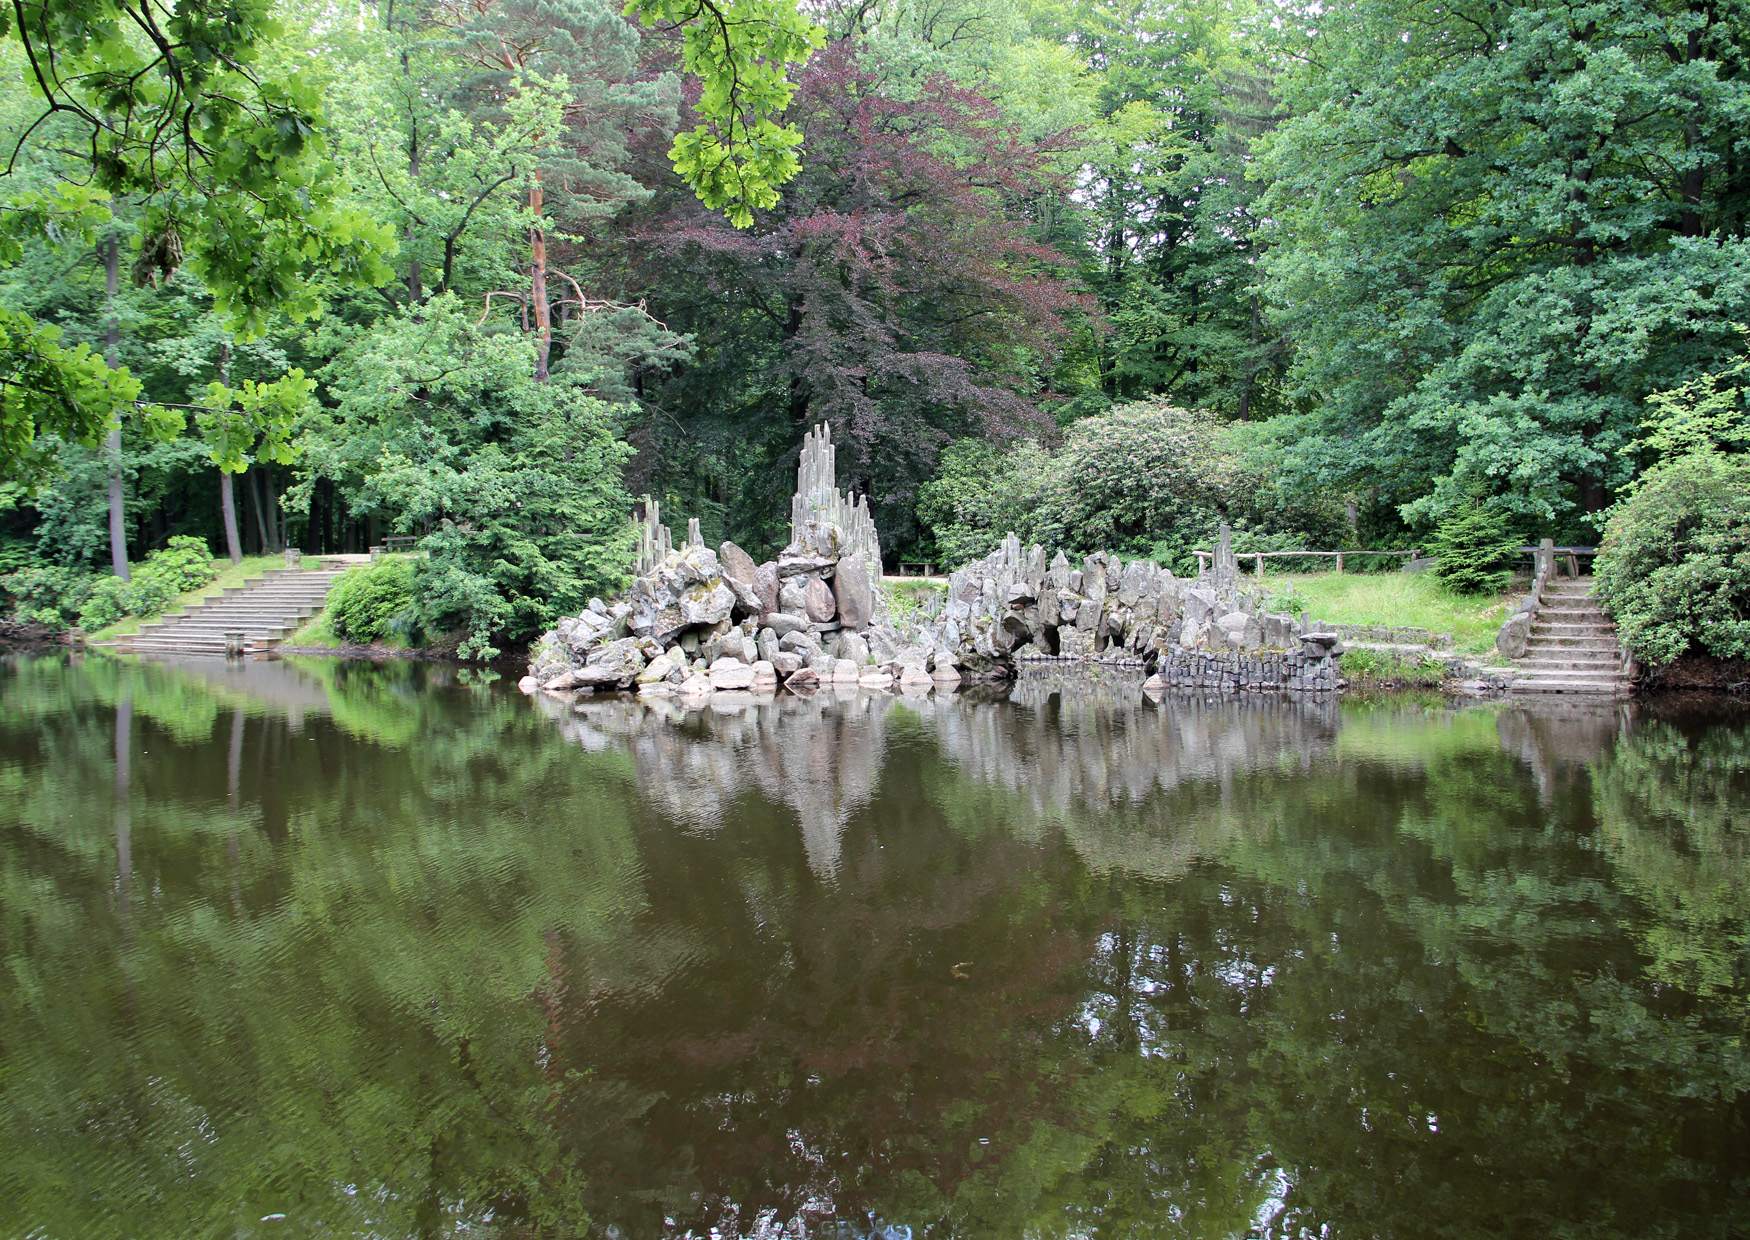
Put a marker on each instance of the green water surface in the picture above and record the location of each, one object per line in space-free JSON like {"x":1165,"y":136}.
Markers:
{"x":323,"y":949}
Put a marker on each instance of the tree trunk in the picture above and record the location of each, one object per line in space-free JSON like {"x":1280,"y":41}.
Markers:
{"x":268,"y":513}
{"x":112,"y":338}
{"x":538,"y":282}
{"x":252,"y":484}
{"x":415,"y":289}
{"x":228,"y":509}
{"x":227,"y":495}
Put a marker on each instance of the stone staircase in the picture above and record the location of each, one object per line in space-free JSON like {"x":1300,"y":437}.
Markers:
{"x":1572,"y":646}
{"x":266,"y":611}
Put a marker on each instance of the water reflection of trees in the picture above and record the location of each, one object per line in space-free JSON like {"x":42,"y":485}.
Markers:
{"x":426,"y":960}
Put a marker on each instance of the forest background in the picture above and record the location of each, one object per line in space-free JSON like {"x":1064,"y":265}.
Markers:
{"x":1104,"y":272}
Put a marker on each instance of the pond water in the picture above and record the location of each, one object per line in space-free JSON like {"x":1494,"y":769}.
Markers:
{"x":311,"y":948}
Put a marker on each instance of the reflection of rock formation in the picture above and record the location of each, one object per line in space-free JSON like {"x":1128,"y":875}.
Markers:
{"x":1079,"y":752}
{"x":1076,"y":751}
{"x":819,"y":755}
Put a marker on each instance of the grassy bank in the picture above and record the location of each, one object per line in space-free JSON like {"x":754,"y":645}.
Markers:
{"x":229,"y":575}
{"x":1416,"y":600}
{"x":1389,"y":669}
{"x":908,"y":596}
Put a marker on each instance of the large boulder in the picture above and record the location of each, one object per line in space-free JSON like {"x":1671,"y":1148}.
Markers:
{"x":852,"y":646}
{"x":765,"y":587}
{"x":695,"y":688}
{"x":617,"y":663}
{"x":1241,"y":630}
{"x":1515,"y":635}
{"x":1136,"y":582}
{"x":692,"y":565}
{"x":737,"y":564}
{"x":854,"y":593}
{"x":548,"y":658}
{"x":816,"y":540}
{"x":1199,"y":604}
{"x":817,"y":601}
{"x":706,"y":603}
{"x":663,"y":667}
{"x":731,"y":674}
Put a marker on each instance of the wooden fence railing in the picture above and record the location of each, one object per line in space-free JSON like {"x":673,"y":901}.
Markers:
{"x":1258,"y":557}
{"x":1571,"y":556}
{"x":1546,"y":555}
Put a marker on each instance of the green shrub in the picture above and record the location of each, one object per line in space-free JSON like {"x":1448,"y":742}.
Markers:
{"x":1287,"y":601}
{"x":1674,"y":565}
{"x":149,"y":593}
{"x":184,"y":564}
{"x":1474,"y":549}
{"x":1142,"y":479}
{"x":51,"y":594}
{"x":375,"y":602}
{"x":105,"y":605}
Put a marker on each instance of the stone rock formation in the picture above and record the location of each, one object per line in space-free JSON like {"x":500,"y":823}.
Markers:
{"x":718,"y":620}
{"x":697,"y":621}
{"x":1013,"y":608}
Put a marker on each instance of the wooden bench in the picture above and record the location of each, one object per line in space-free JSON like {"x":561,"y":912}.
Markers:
{"x":393,"y":544}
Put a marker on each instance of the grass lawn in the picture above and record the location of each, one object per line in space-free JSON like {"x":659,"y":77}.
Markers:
{"x":906,"y":598}
{"x":229,"y":575}
{"x":317,"y":632}
{"x":1418,"y":600}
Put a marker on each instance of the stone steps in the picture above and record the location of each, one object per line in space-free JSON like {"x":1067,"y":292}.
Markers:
{"x":1571,"y":646}
{"x":265,"y":611}
{"x":1552,"y":643}
{"x":1564,"y":628}
{"x":1570,"y":660}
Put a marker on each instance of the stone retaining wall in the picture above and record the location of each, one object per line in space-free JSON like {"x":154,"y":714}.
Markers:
{"x":1235,"y":671}
{"x":1386,"y":635}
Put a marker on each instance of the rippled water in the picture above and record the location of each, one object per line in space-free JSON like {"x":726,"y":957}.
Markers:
{"x":308,"y":948}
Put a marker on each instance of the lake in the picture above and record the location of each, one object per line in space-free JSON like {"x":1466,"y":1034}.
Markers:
{"x":321,"y":948}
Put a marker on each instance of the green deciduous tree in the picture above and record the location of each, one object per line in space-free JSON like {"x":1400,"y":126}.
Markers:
{"x":253,"y":422}
{"x":439,"y":428}
{"x":741,"y":150}
{"x":179,"y":110}
{"x":1496,"y":229}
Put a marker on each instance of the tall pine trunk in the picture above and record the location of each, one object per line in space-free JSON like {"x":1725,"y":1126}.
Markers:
{"x":538,"y":281}
{"x":112,"y":339}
